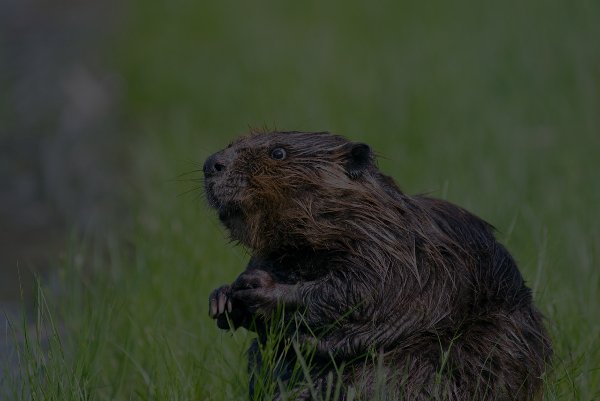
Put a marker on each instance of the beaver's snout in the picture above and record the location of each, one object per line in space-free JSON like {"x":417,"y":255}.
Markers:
{"x":213,"y":165}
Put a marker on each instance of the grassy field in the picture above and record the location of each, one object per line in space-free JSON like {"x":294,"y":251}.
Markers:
{"x":494,"y":106}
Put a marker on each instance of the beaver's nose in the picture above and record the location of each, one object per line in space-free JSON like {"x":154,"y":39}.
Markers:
{"x":212,"y":166}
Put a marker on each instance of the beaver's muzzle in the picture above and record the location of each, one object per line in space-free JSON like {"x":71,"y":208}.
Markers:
{"x":213,"y":165}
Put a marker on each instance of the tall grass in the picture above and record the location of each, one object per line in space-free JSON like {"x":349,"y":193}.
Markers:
{"x":494,"y":106}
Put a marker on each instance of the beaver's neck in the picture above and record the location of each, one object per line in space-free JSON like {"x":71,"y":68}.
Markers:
{"x":294,"y":265}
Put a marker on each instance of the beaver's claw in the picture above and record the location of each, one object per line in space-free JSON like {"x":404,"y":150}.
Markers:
{"x":219,"y":301}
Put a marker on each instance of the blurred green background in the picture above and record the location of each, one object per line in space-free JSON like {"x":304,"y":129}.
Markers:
{"x":493,"y":106}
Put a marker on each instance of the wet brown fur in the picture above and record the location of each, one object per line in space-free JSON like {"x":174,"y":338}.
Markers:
{"x":418,"y":281}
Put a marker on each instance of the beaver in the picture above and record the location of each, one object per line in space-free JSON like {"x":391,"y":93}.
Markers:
{"x":411,"y":290}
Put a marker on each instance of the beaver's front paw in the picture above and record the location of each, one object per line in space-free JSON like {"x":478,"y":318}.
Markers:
{"x":223,"y":308}
{"x":257,"y":291}
{"x":219,"y":301}
{"x":252,"y":279}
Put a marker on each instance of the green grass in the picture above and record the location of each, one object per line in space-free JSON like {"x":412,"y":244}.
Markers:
{"x":494,"y":106}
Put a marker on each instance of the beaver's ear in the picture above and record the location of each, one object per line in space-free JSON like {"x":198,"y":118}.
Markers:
{"x":359,"y":157}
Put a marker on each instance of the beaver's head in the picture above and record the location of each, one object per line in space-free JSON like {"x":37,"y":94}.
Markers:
{"x":273,"y":190}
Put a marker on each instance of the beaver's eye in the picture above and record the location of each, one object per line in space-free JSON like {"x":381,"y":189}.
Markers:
{"x":278,"y":154}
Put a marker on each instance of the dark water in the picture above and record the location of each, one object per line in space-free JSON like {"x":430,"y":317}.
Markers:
{"x":60,"y":162}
